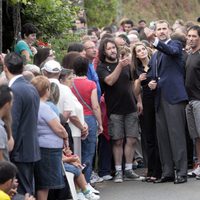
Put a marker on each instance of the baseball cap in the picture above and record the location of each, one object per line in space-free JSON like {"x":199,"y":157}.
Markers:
{"x":52,"y":66}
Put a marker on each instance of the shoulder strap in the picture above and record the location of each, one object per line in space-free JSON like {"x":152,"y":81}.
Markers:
{"x":74,"y":86}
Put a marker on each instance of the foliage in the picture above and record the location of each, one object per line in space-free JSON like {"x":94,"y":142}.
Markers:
{"x":52,"y":19}
{"x":100,"y":13}
{"x":60,"y":45}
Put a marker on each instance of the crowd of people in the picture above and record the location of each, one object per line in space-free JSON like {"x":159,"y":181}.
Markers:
{"x":125,"y":96}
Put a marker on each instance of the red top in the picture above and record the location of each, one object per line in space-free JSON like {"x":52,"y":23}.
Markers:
{"x":84,"y":87}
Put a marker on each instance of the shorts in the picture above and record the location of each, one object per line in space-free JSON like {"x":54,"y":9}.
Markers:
{"x":49,"y":171}
{"x":193,"y":118}
{"x":73,"y":169}
{"x":121,"y":126}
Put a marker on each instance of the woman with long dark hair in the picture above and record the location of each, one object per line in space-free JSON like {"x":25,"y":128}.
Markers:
{"x":140,"y":60}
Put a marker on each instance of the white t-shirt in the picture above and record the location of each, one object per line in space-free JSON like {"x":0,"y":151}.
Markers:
{"x":76,"y":132}
{"x":65,"y":102}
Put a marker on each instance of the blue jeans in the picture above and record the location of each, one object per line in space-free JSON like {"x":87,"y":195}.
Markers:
{"x":88,"y":146}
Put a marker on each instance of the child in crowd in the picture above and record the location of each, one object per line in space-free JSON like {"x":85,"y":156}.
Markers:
{"x":8,"y":173}
{"x":72,"y":164}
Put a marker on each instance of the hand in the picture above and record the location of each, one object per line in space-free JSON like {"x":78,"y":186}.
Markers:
{"x":139,"y":108}
{"x":152,"y":85}
{"x":84,"y":131}
{"x":66,"y":143}
{"x":13,"y":190}
{"x":29,"y":197}
{"x":143,"y":76}
{"x":77,"y":164}
{"x":150,"y":34}
{"x":100,"y":129}
{"x":34,"y":50}
{"x":2,"y":56}
{"x":124,"y":62}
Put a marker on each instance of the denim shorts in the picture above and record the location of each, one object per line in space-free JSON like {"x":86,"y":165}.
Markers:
{"x":73,"y":169}
{"x":48,"y":171}
{"x":121,"y":126}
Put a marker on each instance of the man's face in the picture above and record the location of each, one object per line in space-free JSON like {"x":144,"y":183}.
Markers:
{"x":193,"y":39}
{"x":111,"y":52}
{"x":127,"y":27}
{"x":90,"y":50}
{"x":162,"y":31}
{"x":79,"y":25}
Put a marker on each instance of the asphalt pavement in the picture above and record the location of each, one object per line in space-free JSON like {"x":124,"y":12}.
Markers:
{"x":138,"y":190}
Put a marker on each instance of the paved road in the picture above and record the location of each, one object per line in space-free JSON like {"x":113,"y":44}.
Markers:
{"x":138,"y":190}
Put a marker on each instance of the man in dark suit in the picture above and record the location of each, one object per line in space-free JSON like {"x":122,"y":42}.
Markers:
{"x":168,"y":79}
{"x":24,"y":122}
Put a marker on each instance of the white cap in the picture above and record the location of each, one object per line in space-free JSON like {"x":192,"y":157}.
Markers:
{"x":52,"y":66}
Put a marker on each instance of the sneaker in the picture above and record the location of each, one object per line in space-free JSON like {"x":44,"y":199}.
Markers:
{"x":118,"y":177}
{"x":131,"y":175}
{"x":198,"y":177}
{"x":89,"y":187}
{"x":135,"y":164}
{"x":107,"y":177}
{"x":95,"y":178}
{"x":92,"y":196}
{"x":81,"y":196}
{"x":195,"y":172}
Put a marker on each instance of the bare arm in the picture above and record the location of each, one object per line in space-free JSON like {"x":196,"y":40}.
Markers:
{"x":137,"y":87}
{"x":66,"y":115}
{"x":83,"y":127}
{"x":1,"y":154}
{"x":96,"y":109}
{"x":11,"y":144}
{"x":26,"y":54}
{"x":58,"y":128}
{"x":113,"y":77}
{"x":137,"y":93}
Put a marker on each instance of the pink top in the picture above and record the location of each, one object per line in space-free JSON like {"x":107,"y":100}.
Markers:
{"x":84,"y":87}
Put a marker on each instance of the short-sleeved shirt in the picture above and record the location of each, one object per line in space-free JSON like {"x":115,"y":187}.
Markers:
{"x":65,"y":102}
{"x":85,"y":88}
{"x":47,"y":137}
{"x":3,"y":141}
{"x":119,"y":97}
{"x":4,"y":196}
{"x":76,"y":132}
{"x":92,"y":75}
{"x":23,"y":46}
{"x":192,"y":81}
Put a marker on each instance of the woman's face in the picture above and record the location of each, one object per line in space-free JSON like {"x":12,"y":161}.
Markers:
{"x":68,"y":80}
{"x":31,"y":38}
{"x":141,"y":52}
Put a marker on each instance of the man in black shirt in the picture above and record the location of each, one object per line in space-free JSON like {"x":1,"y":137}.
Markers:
{"x":115,"y":77}
{"x":193,"y":90}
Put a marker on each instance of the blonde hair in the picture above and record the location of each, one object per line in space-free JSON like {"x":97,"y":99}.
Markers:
{"x":41,"y":83}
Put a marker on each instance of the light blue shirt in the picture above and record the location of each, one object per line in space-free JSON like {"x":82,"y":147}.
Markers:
{"x":47,"y":137}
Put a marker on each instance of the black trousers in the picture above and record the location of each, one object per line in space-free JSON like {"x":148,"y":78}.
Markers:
{"x":104,"y":156}
{"x":148,"y":126}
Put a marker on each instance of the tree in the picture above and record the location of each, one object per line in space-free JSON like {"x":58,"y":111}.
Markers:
{"x":100,"y":13}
